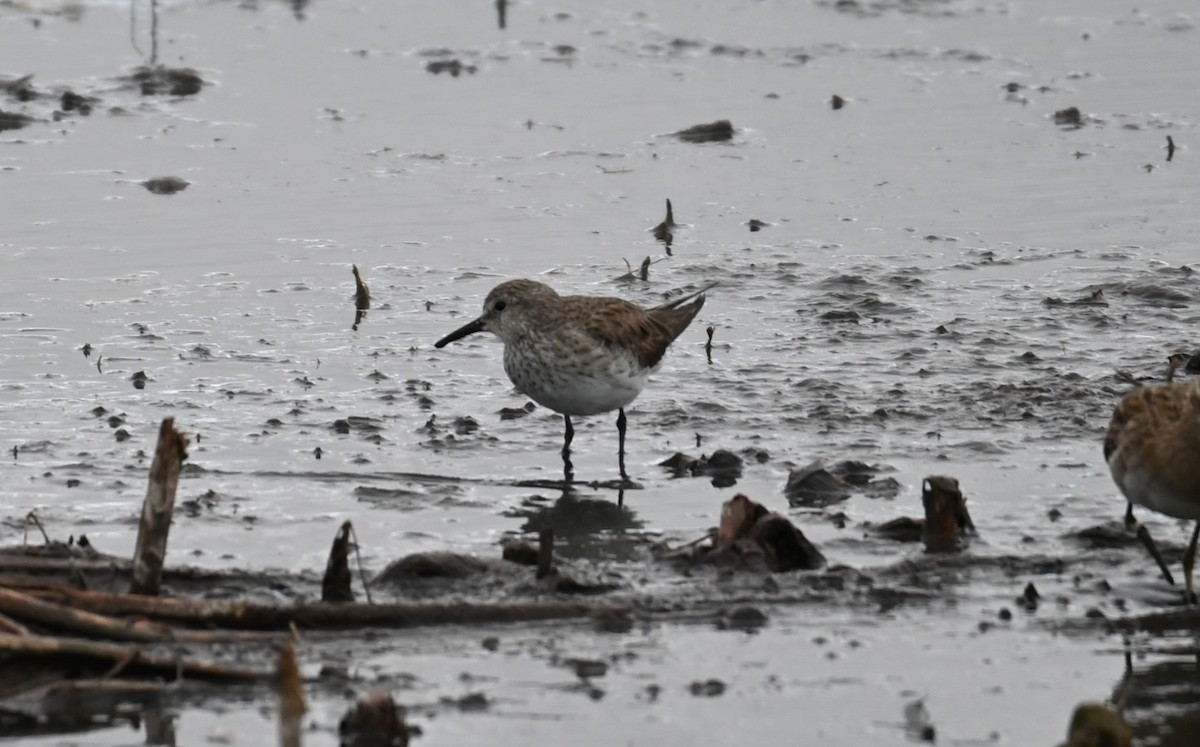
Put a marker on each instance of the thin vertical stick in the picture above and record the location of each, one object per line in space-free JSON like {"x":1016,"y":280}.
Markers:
{"x":151,"y":549}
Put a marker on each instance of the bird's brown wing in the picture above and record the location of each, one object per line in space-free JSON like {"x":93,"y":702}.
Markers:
{"x":619,"y":323}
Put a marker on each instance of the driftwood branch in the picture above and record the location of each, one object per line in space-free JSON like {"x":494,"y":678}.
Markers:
{"x":72,"y":617}
{"x":151,"y":549}
{"x":114,"y":653}
{"x":9,"y":625}
{"x":318,"y":615}
{"x":50,"y":614}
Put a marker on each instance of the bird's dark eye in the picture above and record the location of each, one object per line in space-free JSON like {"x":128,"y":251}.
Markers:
{"x":500,"y":306}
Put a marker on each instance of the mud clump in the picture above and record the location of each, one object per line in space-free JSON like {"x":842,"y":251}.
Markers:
{"x":815,"y":486}
{"x":455,"y":67}
{"x":13,"y":120}
{"x":1070,"y":118}
{"x":165,"y":185}
{"x":375,"y":721}
{"x":713,"y":132}
{"x":750,"y":535}
{"x":723,"y":466}
{"x":161,"y":80}
{"x":428,"y":565}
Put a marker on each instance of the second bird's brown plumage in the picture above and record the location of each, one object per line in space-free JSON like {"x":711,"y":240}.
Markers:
{"x":1153,"y":451}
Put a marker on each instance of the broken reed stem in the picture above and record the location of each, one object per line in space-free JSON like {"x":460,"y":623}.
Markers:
{"x":151,"y":549}
{"x":291,"y":698}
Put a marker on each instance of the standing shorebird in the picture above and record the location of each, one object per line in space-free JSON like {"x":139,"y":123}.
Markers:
{"x":579,"y":355}
{"x":1153,"y":450}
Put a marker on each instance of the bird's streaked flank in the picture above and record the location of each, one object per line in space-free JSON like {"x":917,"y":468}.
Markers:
{"x":579,"y":355}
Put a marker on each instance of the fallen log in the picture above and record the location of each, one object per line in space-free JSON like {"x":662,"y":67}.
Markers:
{"x":31,"y":608}
{"x":316,"y":615}
{"x":9,"y":625}
{"x":115,"y":653}
{"x":53,"y":615}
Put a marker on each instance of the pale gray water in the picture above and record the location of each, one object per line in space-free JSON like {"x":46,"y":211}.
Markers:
{"x":935,"y":197}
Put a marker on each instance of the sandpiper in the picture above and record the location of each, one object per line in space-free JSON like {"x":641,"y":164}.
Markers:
{"x":579,"y":355}
{"x":1151,"y":448}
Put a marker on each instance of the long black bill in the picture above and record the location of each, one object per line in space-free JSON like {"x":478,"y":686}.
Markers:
{"x":469,"y":328}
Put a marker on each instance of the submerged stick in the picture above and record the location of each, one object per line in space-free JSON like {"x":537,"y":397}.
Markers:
{"x":151,"y":549}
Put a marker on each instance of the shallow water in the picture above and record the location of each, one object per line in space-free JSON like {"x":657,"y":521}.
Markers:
{"x":940,"y":208}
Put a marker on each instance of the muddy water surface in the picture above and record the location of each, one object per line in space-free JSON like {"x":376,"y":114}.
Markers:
{"x":913,"y":303}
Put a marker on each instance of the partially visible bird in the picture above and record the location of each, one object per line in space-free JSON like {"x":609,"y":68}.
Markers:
{"x":1097,"y":725}
{"x":1153,"y":451}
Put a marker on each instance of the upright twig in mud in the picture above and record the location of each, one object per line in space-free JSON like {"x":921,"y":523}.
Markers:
{"x":663,"y":231}
{"x":153,"y":30}
{"x":291,"y":698}
{"x":151,"y":549}
{"x":362,"y":298}
{"x":362,"y":294}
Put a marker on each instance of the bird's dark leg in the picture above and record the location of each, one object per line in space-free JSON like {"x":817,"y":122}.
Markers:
{"x":568,"y":436}
{"x":621,"y":443}
{"x":1143,"y":534}
{"x":1189,"y":560}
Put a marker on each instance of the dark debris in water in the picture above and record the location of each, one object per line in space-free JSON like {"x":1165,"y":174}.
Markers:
{"x":454,"y":67}
{"x":160,"y":80}
{"x":723,"y":466}
{"x":713,"y":132}
{"x":815,"y":486}
{"x":13,"y":120}
{"x":165,"y":185}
